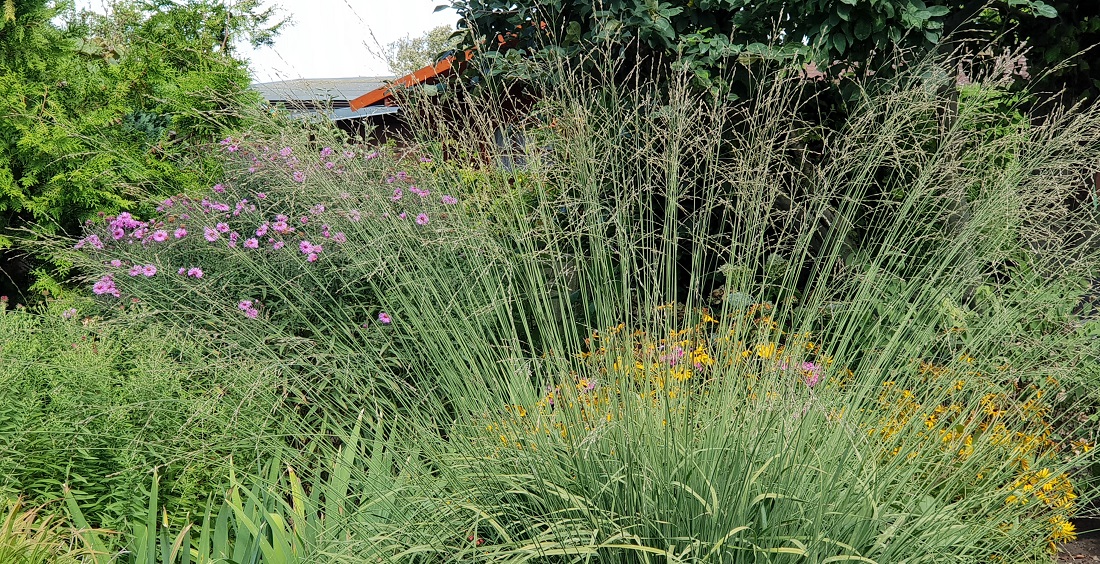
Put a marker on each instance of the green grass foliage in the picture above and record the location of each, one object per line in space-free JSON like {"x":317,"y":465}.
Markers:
{"x":701,"y":332}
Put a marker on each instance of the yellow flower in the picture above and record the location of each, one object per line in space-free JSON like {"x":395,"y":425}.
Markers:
{"x":1061,"y":529}
{"x":766,"y":350}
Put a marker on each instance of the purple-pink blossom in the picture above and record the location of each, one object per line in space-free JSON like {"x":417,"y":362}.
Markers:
{"x":339,"y":237}
{"x":299,"y":176}
{"x":326,"y":151}
{"x":317,"y":209}
{"x":210,"y":234}
{"x":160,"y":235}
{"x":384,"y":318}
{"x":115,"y":263}
{"x":286,"y":151}
{"x":179,"y":233}
{"x":422,"y":219}
{"x":354,"y":215}
{"x":397,"y":193}
{"x":194,"y":272}
{"x":251,"y":243}
{"x":222,"y":227}
{"x":219,"y":188}
{"x":135,"y":270}
{"x":244,"y":304}
{"x":278,"y":245}
{"x":91,"y":240}
{"x":105,"y":285}
{"x":149,"y":270}
{"x":449,"y":200}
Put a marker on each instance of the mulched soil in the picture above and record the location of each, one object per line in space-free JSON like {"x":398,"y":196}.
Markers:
{"x":1086,"y":549}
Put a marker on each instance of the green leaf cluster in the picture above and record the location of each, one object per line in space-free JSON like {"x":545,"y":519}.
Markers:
{"x":708,"y":36}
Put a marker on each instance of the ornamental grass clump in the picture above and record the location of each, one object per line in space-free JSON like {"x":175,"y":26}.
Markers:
{"x":678,"y":328}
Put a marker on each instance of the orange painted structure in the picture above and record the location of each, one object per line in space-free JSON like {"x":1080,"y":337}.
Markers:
{"x":385,"y":93}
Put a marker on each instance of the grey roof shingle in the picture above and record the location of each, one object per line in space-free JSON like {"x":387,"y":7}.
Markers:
{"x":309,"y":93}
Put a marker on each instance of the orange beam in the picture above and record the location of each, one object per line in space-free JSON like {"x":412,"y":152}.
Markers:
{"x":426,"y":73}
{"x":431,"y":71}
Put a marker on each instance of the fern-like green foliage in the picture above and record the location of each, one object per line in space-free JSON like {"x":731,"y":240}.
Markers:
{"x":99,"y":112}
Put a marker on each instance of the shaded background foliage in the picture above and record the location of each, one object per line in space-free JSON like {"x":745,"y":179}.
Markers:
{"x":712,"y":39}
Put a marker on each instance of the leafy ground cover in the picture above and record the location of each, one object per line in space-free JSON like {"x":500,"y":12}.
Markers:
{"x":677,"y":332}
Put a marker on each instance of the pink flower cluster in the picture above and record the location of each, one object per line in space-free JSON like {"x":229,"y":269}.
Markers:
{"x":105,"y":285}
{"x":249,"y":309}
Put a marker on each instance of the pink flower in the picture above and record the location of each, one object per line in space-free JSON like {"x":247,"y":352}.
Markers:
{"x":299,"y":176}
{"x":354,"y":215}
{"x":261,"y":196}
{"x":397,"y":193}
{"x":160,"y":235}
{"x":149,"y":270}
{"x":303,"y":219}
{"x":349,"y":154}
{"x":278,"y":245}
{"x":449,"y":200}
{"x":182,"y":271}
{"x":210,"y":234}
{"x":135,"y":270}
{"x":244,"y":305}
{"x":117,"y":233}
{"x":422,"y":219}
{"x":402,"y":175}
{"x":326,"y":151}
{"x":69,"y":313}
{"x":194,"y":272}
{"x":372,"y":155}
{"x":339,"y":237}
{"x":116,"y":263}
{"x":251,"y":313}
{"x":312,"y":257}
{"x":251,"y":243}
{"x":219,"y":188}
{"x":105,"y":285}
{"x":180,"y":233}
{"x":812,"y":373}
{"x":222,"y":227}
{"x":384,"y":318}
{"x":262,"y":230}
{"x":317,"y":209}
{"x":305,"y":247}
{"x":330,"y":165}
{"x":234,"y":236}
{"x":286,"y":151}
{"x":402,"y":215}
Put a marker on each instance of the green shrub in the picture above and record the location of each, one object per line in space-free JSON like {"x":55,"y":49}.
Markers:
{"x":95,"y":405}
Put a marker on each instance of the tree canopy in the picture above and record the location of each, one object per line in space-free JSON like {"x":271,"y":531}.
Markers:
{"x":708,"y":36}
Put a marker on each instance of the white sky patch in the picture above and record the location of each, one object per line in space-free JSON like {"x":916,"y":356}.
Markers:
{"x":335,"y":38}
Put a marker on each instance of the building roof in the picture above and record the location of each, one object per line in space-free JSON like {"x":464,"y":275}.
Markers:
{"x":318,"y":93}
